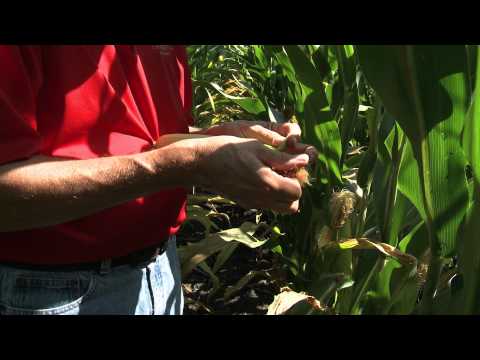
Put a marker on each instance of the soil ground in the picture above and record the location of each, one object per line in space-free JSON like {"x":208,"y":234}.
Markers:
{"x":252,"y":299}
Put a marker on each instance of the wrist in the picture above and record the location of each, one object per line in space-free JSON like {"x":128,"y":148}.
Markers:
{"x":175,"y":165}
{"x":215,"y":130}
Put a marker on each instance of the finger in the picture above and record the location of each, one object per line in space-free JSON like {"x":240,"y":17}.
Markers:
{"x":283,"y":161}
{"x":279,"y":188}
{"x":292,"y":141}
{"x":288,"y":129}
{"x":300,"y":148}
{"x":312,"y":154}
{"x":263,"y":134}
{"x":293,"y":144}
{"x":289,"y":188}
{"x":294,"y":206}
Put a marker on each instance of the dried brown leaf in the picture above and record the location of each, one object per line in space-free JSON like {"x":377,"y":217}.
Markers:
{"x":288,"y":298}
{"x":386,"y":249}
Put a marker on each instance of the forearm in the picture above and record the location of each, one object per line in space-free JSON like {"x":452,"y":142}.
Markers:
{"x":214,"y":130}
{"x":197,"y":130}
{"x":45,"y":191}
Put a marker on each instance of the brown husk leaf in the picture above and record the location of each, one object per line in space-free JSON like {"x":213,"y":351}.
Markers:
{"x":342,"y":205}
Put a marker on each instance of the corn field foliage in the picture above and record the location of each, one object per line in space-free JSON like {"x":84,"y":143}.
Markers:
{"x":390,"y":224}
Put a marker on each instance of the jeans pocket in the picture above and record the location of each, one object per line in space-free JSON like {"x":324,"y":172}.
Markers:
{"x":167,"y":282}
{"x":41,"y":292}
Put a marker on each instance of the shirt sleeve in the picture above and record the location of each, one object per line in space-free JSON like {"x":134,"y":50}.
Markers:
{"x":20,"y":82}
{"x":181,"y":53}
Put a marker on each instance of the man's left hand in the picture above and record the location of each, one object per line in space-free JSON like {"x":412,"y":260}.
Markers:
{"x":267,"y":132}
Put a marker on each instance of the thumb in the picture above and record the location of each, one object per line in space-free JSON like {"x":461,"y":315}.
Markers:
{"x":264,"y":135}
{"x":278,"y":160}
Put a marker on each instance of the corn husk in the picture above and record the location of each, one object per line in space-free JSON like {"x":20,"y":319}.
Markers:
{"x":341,"y":207}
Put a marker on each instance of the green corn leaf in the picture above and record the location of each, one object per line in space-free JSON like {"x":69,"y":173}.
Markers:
{"x":260,"y":56}
{"x":379,"y":294}
{"x":425,"y":89}
{"x":224,"y":255}
{"x":193,"y":254}
{"x":415,"y":242}
{"x":321,"y":63}
{"x":405,"y":295}
{"x":409,"y":179}
{"x":396,"y":288}
{"x":250,"y":105}
{"x":404,"y":281}
{"x":320,"y":126}
{"x":384,"y":178}
{"x":216,"y":284}
{"x":305,"y":71}
{"x":346,"y":64}
{"x":368,"y":162}
{"x":351,"y":100}
{"x":388,"y":286}
{"x":283,"y":60}
{"x":201,"y":215}
{"x":234,"y":289}
{"x":469,"y":258}
{"x":212,"y":103}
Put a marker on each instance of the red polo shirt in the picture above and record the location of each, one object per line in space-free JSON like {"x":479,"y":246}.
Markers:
{"x":83,"y":102}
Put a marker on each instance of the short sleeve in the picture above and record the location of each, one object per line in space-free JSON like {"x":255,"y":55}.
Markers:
{"x":20,"y":82}
{"x":186,"y":86}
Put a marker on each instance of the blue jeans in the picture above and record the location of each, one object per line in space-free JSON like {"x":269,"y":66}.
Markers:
{"x":153,"y":289}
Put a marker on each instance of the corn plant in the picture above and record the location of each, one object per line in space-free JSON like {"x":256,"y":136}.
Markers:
{"x":388,"y":224}
{"x":233,"y":81}
{"x":416,"y":184}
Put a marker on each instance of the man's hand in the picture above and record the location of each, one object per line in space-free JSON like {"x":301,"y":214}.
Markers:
{"x":244,"y":171}
{"x":267,"y":132}
{"x":44,"y":191}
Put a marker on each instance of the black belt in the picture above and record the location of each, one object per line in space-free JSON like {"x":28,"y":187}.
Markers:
{"x":135,"y":259}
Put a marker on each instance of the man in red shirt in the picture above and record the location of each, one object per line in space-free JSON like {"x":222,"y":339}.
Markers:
{"x":89,"y":205}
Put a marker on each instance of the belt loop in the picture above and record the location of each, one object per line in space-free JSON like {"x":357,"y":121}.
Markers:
{"x":105,"y":266}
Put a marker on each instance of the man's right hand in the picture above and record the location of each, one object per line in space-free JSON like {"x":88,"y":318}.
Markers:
{"x":44,"y":191}
{"x":244,"y":170}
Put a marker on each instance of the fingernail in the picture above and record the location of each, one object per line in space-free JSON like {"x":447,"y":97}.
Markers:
{"x":303,"y":158}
